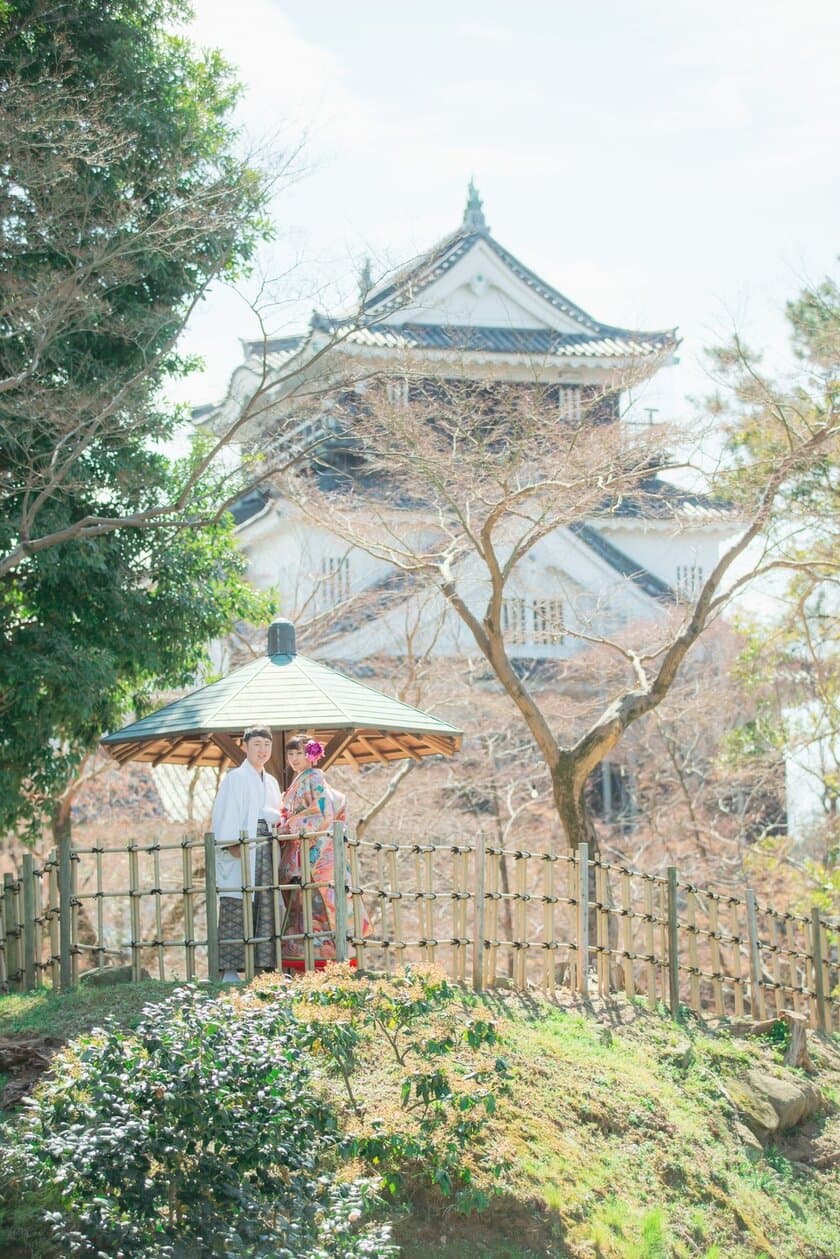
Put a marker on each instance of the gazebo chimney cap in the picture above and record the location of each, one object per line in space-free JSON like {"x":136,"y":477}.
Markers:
{"x":281,"y":638}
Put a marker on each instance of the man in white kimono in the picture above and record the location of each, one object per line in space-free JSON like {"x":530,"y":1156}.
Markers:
{"x":249,"y":801}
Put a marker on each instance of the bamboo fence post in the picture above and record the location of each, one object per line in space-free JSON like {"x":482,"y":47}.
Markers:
{"x":306,"y":893}
{"x":583,"y":919}
{"x":340,"y":867}
{"x":100,"y":910}
{"x":396,"y":903}
{"x":42,"y":918}
{"x":430,"y":901}
{"x":4,"y":974}
{"x":831,"y":984}
{"x":602,"y":930}
{"x":248,"y":903}
{"x":521,"y":928}
{"x":737,"y":978}
{"x":74,"y":915}
{"x":650,"y":946}
{"x":384,"y":905}
{"x":494,"y":871}
{"x":211,"y":899}
{"x":549,"y":901}
{"x":28,"y":898}
{"x":13,"y":976}
{"x":38,"y":922}
{"x":627,"y":934}
{"x":478,"y":914}
{"x":356,"y":896}
{"x":774,"y":930}
{"x":817,"y":959}
{"x":277,"y":903}
{"x":662,"y":898}
{"x":571,"y":917}
{"x":159,"y":941}
{"x":757,"y":1004}
{"x":693,"y":956}
{"x":419,"y":902}
{"x":65,"y":926}
{"x":464,"y":897}
{"x":714,"y":947}
{"x":189,"y":914}
{"x":793,"y":965}
{"x":134,"y":910}
{"x":673,"y":944}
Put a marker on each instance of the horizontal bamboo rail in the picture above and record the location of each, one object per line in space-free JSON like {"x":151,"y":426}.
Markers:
{"x":491,"y":915}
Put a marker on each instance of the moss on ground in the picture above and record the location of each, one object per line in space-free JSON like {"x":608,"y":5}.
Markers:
{"x":619,"y":1139}
{"x":69,"y":1014}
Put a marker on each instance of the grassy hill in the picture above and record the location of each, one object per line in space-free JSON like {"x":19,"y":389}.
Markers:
{"x":614,"y":1136}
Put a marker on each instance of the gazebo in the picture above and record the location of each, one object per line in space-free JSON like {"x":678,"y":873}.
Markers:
{"x":285,"y":692}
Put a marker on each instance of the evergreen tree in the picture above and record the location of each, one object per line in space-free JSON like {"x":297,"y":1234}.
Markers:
{"x":122,"y":197}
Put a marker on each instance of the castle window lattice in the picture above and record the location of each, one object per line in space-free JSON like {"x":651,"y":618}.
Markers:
{"x":570,"y":403}
{"x":532,"y":622}
{"x":689,"y":580}
{"x":396,"y":390}
{"x":335,"y":580}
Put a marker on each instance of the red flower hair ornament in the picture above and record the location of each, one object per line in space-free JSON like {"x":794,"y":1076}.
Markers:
{"x":314,"y":751}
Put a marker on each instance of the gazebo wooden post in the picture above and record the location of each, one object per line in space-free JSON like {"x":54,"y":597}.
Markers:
{"x":247,"y":902}
{"x":277,"y":761}
{"x":277,"y":902}
{"x":65,"y":933}
{"x":213,"y":971}
{"x":340,"y":865}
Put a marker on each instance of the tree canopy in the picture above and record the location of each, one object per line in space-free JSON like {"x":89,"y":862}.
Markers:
{"x":494,"y":475}
{"x":122,"y":197}
{"x":790,"y":666}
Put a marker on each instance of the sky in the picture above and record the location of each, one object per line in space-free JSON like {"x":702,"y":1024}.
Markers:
{"x":660,"y":162}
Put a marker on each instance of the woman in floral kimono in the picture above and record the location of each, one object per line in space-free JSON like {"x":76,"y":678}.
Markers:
{"x":310,"y":806}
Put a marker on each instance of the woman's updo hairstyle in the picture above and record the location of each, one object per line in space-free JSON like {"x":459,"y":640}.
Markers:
{"x":312,"y":749}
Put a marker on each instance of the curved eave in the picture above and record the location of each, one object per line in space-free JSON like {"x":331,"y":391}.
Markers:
{"x":216,"y":749}
{"x":654,"y":358}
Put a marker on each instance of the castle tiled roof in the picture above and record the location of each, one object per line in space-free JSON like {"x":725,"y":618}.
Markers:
{"x":652,"y":498}
{"x":539,"y":342}
{"x":367,"y":327}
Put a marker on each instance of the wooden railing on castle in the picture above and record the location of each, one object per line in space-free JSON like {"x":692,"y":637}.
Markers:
{"x":491,"y":916}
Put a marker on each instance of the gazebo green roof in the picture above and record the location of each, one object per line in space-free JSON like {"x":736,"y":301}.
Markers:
{"x":287,"y":693}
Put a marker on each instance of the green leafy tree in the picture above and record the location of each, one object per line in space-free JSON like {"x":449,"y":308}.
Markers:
{"x":96,"y":629}
{"x":791,"y":664}
{"x":200,"y":1134}
{"x":123,"y":196}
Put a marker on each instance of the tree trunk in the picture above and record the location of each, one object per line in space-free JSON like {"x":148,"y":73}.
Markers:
{"x":576,"y":820}
{"x":570,"y":801}
{"x":61,"y":823}
{"x":61,"y":820}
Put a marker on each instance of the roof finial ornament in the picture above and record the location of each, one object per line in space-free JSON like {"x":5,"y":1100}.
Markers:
{"x":365,"y":281}
{"x":474,"y":220}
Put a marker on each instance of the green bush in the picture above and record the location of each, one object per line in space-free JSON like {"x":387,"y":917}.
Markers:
{"x":432,"y":1111}
{"x":197,"y":1135}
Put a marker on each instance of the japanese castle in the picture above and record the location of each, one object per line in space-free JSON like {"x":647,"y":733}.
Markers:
{"x":468,"y":308}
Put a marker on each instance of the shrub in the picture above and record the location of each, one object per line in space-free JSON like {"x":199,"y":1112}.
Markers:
{"x":430,"y":1123}
{"x":197,"y":1135}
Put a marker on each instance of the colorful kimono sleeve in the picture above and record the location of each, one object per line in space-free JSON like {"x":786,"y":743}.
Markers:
{"x":313,"y":808}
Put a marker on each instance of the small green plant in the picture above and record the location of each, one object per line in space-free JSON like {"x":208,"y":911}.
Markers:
{"x":437,"y":1117}
{"x":197,"y":1135}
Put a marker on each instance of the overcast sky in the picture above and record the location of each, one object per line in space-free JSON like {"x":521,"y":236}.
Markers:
{"x":660,"y":162}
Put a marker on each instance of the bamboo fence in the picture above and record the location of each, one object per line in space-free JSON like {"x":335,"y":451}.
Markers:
{"x":491,"y":916}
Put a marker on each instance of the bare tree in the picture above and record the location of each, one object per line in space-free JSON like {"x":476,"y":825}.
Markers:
{"x":88,"y":329}
{"x":462,"y":483}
